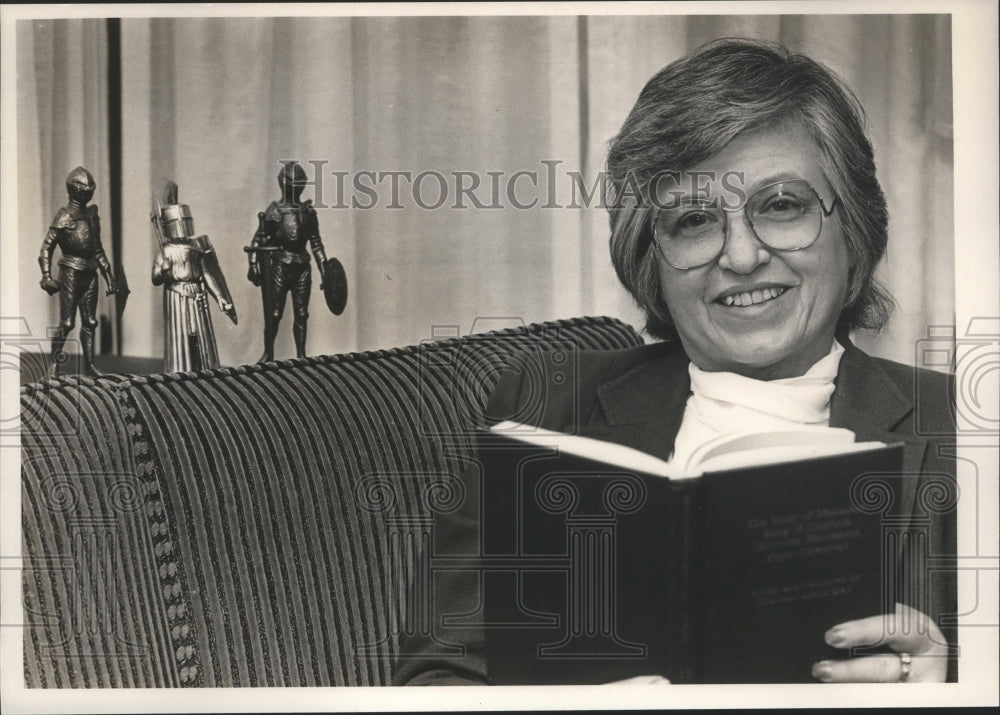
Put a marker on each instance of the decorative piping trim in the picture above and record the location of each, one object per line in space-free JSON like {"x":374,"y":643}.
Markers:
{"x":124,"y":381}
{"x":169,"y":567}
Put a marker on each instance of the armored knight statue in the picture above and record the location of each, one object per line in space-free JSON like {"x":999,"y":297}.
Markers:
{"x":188,"y":268}
{"x":76,"y":230}
{"x":279,"y":261}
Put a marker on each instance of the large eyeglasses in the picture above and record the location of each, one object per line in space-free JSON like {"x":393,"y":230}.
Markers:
{"x":784,"y":216}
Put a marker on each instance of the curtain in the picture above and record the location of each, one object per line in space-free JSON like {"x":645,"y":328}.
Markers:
{"x":61,"y":124}
{"x":521,"y":105}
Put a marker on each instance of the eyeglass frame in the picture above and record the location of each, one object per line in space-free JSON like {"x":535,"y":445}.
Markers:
{"x":825,"y":213}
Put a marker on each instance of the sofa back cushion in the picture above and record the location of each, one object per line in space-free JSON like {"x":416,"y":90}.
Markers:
{"x":271,"y":496}
{"x":92,"y":607}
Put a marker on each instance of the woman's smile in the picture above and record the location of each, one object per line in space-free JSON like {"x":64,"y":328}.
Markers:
{"x":745,"y":297}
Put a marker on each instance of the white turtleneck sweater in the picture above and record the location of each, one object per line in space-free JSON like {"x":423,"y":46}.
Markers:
{"x":724,"y":402}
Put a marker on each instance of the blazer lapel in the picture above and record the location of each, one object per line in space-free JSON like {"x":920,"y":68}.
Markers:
{"x":643,"y":407}
{"x":867,"y":401}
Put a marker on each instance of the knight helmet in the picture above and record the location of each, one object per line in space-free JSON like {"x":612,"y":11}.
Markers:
{"x":292,"y":180}
{"x":175,"y":217}
{"x":80,"y":185}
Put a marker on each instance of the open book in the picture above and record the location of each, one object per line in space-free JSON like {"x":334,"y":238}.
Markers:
{"x":601,"y":562}
{"x":729,"y":451}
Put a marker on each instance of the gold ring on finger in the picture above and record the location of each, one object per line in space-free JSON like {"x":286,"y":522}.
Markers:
{"x":904,"y":667}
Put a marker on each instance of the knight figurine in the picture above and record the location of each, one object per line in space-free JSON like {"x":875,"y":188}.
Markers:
{"x":188,"y":268}
{"x":279,"y":261}
{"x":76,"y":230}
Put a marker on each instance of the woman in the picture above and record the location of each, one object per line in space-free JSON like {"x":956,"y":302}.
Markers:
{"x":747,"y":222}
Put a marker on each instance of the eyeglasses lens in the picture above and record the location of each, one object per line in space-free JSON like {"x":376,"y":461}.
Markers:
{"x":785,"y":216}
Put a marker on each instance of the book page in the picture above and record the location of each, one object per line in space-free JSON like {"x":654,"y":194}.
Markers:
{"x":779,"y":454}
{"x":589,"y":448}
{"x":750,"y":441}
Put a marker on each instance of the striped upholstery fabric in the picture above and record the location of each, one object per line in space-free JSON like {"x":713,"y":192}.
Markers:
{"x":259,"y":547}
{"x":93,"y":602}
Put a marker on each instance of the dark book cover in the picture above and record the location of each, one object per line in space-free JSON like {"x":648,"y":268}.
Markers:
{"x":594,"y":573}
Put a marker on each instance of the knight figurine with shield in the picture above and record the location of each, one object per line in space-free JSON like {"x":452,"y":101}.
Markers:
{"x":188,"y":268}
{"x":279,"y":261}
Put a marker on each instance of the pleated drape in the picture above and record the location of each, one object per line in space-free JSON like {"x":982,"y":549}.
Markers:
{"x":216,"y":103}
{"x":62,"y":117}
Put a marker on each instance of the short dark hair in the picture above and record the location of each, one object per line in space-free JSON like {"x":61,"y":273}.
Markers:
{"x":692,"y":108}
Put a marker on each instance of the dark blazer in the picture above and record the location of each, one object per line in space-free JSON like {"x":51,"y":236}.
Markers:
{"x":636,"y":397}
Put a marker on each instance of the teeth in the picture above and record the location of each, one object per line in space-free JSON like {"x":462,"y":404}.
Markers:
{"x":760,"y":295}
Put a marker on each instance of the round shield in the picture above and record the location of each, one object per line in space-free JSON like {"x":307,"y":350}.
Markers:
{"x":334,"y":286}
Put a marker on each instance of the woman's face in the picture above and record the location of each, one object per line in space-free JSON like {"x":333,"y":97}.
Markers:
{"x":755,"y":333}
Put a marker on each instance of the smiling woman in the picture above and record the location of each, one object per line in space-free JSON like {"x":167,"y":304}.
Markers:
{"x":756,"y":290}
{"x":761,"y":292}
{"x":747,"y":222}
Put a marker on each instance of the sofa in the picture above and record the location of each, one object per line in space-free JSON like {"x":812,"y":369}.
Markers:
{"x":250,"y":526}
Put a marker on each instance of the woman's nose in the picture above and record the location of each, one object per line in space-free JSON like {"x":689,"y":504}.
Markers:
{"x":743,"y":252}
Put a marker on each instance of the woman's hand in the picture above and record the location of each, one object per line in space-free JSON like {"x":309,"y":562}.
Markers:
{"x":921,"y":653}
